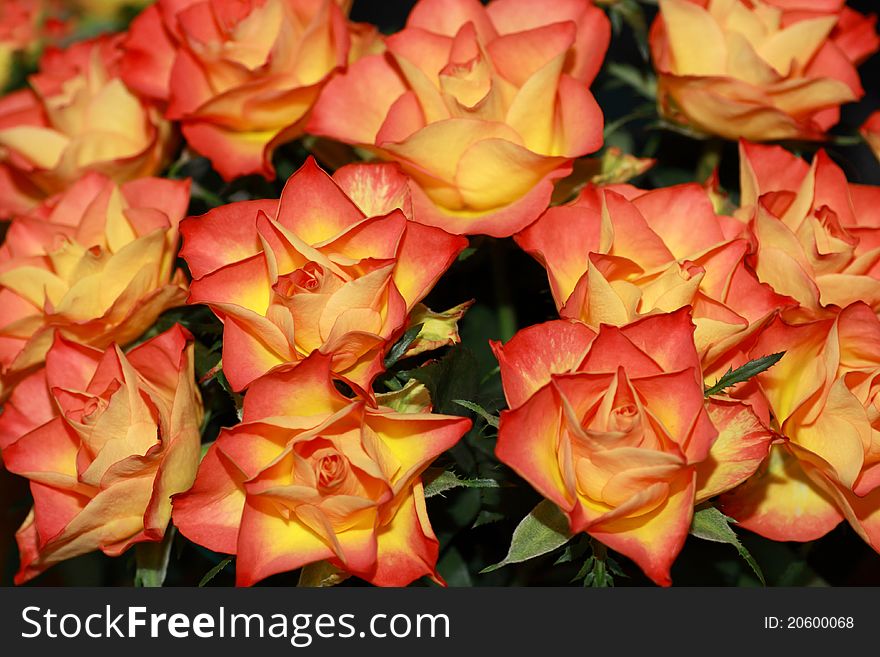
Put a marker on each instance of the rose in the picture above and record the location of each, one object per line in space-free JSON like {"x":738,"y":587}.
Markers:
{"x":483,"y":107}
{"x":817,"y":236}
{"x":628,"y":253}
{"x":613,"y":429}
{"x":311,"y":475}
{"x":78,"y":116}
{"x":854,"y":34}
{"x":313,"y":271}
{"x":871,"y":132}
{"x":95,"y":264}
{"x":825,"y":396}
{"x":105,"y":439}
{"x":241,"y":90}
{"x":744,"y":70}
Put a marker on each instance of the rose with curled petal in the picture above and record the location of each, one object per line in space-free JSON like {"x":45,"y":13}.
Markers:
{"x":484,"y":107}
{"x":825,"y":396}
{"x":77,"y":116}
{"x":240,"y":77}
{"x":311,"y":475}
{"x":105,"y":438}
{"x":613,"y":429}
{"x":817,"y":237}
{"x":95,"y":264}
{"x":629,"y":253}
{"x":314,"y":272}
{"x":750,"y":69}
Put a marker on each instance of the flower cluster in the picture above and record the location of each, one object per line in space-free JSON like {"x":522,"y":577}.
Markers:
{"x":220,"y":224}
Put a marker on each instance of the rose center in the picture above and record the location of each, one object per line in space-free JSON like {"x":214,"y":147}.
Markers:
{"x":307,"y":279}
{"x":688,"y":270}
{"x":624,"y":417}
{"x":330,"y":471}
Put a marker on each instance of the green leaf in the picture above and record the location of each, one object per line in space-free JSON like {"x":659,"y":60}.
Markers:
{"x":321,"y":574}
{"x":574,"y":550}
{"x":491,"y":420}
{"x":540,"y":532}
{"x":211,"y":574}
{"x":645,"y":84}
{"x":399,"y":349}
{"x":486,"y":517}
{"x":466,"y":253}
{"x":152,"y":561}
{"x":744,"y":373}
{"x":710,"y":524}
{"x":452,"y":377}
{"x":445,"y":480}
{"x":599,"y":569}
{"x":453,"y":568}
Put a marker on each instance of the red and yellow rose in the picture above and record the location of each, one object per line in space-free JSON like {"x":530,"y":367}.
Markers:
{"x":817,"y":237}
{"x":627,"y":253}
{"x":95,"y":264}
{"x":311,"y":475}
{"x":240,"y":77}
{"x":825,"y":397}
{"x":613,"y":428}
{"x":105,"y":438}
{"x":77,"y":116}
{"x":484,"y":107}
{"x":333,"y":266}
{"x":854,"y":34}
{"x":761,"y":70}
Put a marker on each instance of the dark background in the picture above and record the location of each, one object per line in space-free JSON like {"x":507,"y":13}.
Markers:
{"x":839,"y":559}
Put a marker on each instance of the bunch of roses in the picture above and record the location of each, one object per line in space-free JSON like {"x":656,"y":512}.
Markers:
{"x":476,"y":113}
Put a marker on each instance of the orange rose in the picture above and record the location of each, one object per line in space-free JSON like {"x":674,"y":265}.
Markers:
{"x":77,"y":117}
{"x":614,"y":430}
{"x":105,"y":438}
{"x":483,"y":107}
{"x":95,"y":264}
{"x":241,"y":77}
{"x":854,"y":34}
{"x":613,"y":259}
{"x":334,"y":266}
{"x":749,"y":69}
{"x":311,"y":475}
{"x":825,"y":396}
{"x":817,"y":236}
